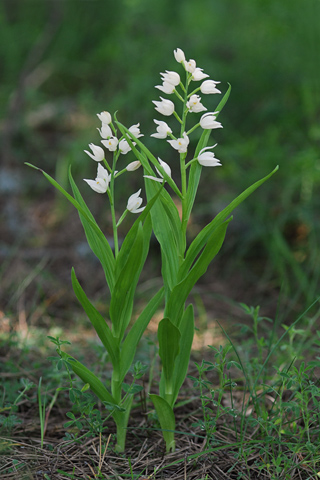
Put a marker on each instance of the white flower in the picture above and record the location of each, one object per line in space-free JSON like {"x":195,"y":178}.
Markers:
{"x":97,"y":152}
{"x":124,"y":146}
{"x":163,"y":129}
{"x":134,"y":203}
{"x":171,"y":77}
{"x":198,"y":74}
{"x":101,"y":183}
{"x":194,"y":104}
{"x":179,"y":55}
{"x":208,"y":121}
{"x":207,"y":159}
{"x":105,"y":117}
{"x":166,"y":87}
{"x":133,"y":166}
{"x":111,"y":144}
{"x":190,"y":66}
{"x":209,"y":86}
{"x":135,"y":130}
{"x":165,"y":107}
{"x":105,"y":131}
{"x":165,"y":167}
{"x":181,"y":144}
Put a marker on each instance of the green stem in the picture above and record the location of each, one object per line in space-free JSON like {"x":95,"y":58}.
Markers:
{"x":113,"y":212}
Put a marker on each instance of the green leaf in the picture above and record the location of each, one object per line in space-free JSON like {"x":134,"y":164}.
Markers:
{"x":169,"y":344}
{"x":132,"y":339}
{"x":97,"y":242}
{"x":182,"y":361}
{"x":181,"y":291}
{"x":88,"y":377}
{"x":166,"y":419}
{"x":166,"y":223}
{"x":97,"y":320}
{"x":122,"y":299}
{"x":202,"y":238}
{"x":102,"y":246}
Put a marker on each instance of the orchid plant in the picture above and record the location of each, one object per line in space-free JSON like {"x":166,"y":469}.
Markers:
{"x":182,"y":265}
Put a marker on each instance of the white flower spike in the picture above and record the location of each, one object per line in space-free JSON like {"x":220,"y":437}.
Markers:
{"x":101,"y":183}
{"x":165,"y":167}
{"x":208,"y":121}
{"x":207,"y":159}
{"x":179,"y":55}
{"x":181,"y":144}
{"x":97,"y":153}
{"x":165,"y":107}
{"x":194,"y":104}
{"x":209,"y":86}
{"x":111,"y":144}
{"x":134,"y":203}
{"x":105,"y":117}
{"x":163,"y":129}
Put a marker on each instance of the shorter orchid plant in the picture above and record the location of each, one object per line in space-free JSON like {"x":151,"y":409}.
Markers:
{"x":182,"y":265}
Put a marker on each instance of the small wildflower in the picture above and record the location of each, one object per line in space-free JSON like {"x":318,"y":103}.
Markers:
{"x":171,"y":77}
{"x":165,"y":107}
{"x":166,"y":87}
{"x":97,"y":152}
{"x":179,"y":55}
{"x":163,"y":129}
{"x":135,"y":130}
{"x":165,"y":167}
{"x":208,"y":121}
{"x":198,"y":74}
{"x":111,"y":144}
{"x":194,"y":104}
{"x":133,"y":166}
{"x":105,"y":131}
{"x":190,"y":66}
{"x":134,"y":203}
{"x":209,"y":86}
{"x":181,"y":144}
{"x":105,"y":117}
{"x":207,"y":159}
{"x":124,"y":146}
{"x":101,"y":182}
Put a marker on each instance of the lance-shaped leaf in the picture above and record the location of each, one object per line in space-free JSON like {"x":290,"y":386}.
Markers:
{"x":181,"y":291}
{"x":169,"y":344}
{"x":100,"y":243}
{"x":202,"y":238}
{"x":122,"y":299}
{"x":166,"y":223}
{"x":166,"y":419}
{"x":88,"y":377}
{"x":182,"y":361}
{"x":195,"y":169}
{"x":132,"y":339}
{"x":97,"y":320}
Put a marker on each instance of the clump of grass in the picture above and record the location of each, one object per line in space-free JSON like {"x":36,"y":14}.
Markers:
{"x":270,"y":411}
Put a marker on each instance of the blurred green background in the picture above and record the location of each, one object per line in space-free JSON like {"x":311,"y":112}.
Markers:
{"x":63,"y":61}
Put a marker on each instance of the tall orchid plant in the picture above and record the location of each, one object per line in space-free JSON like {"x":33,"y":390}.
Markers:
{"x":182,"y":265}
